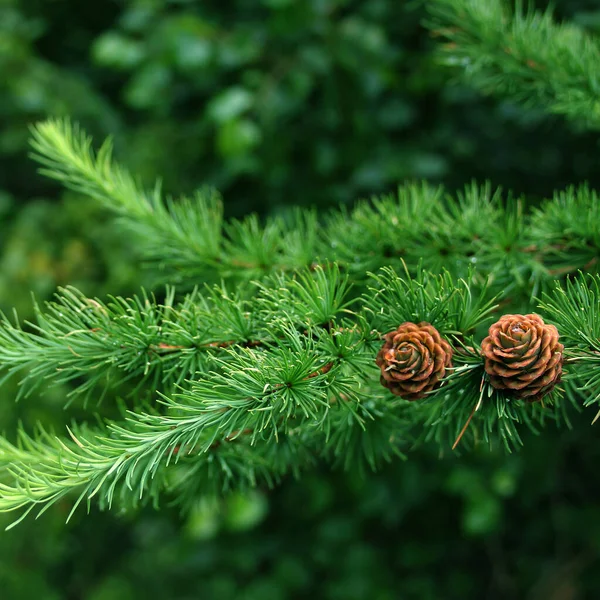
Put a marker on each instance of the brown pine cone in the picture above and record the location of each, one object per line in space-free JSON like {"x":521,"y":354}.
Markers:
{"x":413,"y":360}
{"x":523,"y":355}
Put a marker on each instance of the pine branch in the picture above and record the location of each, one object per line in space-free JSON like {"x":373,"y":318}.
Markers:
{"x":467,"y":409}
{"x":187,"y":237}
{"x":308,"y":392}
{"x":186,"y":234}
{"x":471,"y":411}
{"x":565,"y":230}
{"x":277,"y":393}
{"x":575,"y":309}
{"x":525,"y":56}
{"x":188,"y":243}
{"x":447,"y":304}
{"x":262,"y":383}
{"x":521,"y":250}
{"x":98,"y":345}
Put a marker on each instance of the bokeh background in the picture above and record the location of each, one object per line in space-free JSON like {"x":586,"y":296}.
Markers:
{"x":280,"y":103}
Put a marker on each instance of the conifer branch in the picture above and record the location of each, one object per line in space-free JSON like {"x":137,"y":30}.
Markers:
{"x":263,"y":382}
{"x":186,"y":234}
{"x":565,"y":230}
{"x":187,"y":237}
{"x":188,"y":242}
{"x":575,"y":308}
{"x":99,"y":345}
{"x":524,"y":56}
{"x":286,"y":392}
{"x":312,"y":387}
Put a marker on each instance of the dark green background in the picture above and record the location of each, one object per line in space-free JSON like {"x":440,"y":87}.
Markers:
{"x":281,"y":103}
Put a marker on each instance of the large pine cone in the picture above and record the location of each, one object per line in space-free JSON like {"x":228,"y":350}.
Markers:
{"x":413,"y":360}
{"x":523,"y":355}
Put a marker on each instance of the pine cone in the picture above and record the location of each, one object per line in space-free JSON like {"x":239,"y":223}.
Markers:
{"x":522,"y":354}
{"x":413,"y":360}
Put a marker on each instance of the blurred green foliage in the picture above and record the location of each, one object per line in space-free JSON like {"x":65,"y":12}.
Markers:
{"x":280,"y":103}
{"x":275,"y":103}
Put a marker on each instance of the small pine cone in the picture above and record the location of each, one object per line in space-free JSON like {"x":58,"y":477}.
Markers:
{"x":413,"y":360}
{"x":523,"y":355}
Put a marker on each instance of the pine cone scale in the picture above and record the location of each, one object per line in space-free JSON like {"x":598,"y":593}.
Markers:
{"x":504,"y":371}
{"x":506,"y":342}
{"x":521,"y":346}
{"x":518,"y":363}
{"x":523,"y":349}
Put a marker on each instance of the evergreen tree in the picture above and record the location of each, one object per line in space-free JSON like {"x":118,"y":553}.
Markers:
{"x":349,"y":337}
